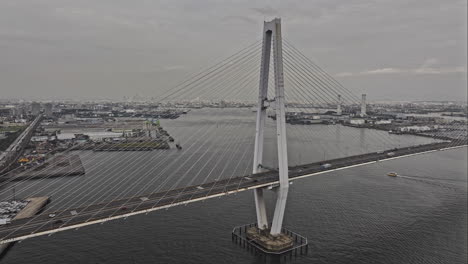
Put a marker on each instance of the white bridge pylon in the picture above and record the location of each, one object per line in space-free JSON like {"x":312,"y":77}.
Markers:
{"x":272,"y":37}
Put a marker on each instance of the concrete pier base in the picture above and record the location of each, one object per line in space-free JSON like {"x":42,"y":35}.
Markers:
{"x":262,"y":242}
{"x":263,"y":238}
{"x":35,"y":204}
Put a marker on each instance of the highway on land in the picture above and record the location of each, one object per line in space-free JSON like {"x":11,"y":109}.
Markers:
{"x":43,"y":224}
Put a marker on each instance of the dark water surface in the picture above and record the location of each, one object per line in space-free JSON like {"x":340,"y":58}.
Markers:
{"x":353,"y":216}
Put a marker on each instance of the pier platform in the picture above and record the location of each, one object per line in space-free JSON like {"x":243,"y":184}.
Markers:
{"x":35,"y":204}
{"x":250,"y":236}
{"x":59,"y":166}
{"x":269,"y":242}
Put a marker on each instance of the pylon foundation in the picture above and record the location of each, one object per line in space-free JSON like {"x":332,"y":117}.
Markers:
{"x":261,"y":241}
{"x":263,"y":238}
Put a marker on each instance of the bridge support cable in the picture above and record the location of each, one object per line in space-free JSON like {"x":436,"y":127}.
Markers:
{"x":300,"y":92}
{"x":327,"y":76}
{"x":228,"y":155}
{"x":178,"y":89}
{"x":227,"y":63}
{"x":182,"y":177}
{"x":310,"y":135}
{"x":305,"y":135}
{"x":297,"y":90}
{"x":165,"y":178}
{"x":18,"y":178}
{"x":200,"y":136}
{"x":234,"y":121}
{"x":37,"y":216}
{"x":318,"y":72}
{"x":249,"y":161}
{"x":53,"y":181}
{"x":237,"y":145}
{"x":316,"y":79}
{"x":306,"y":78}
{"x":234,"y":143}
{"x":197,"y":143}
{"x":213,"y":155}
{"x":313,"y":79}
{"x":110,"y":163}
{"x":237,"y":91}
{"x":169,"y":189}
{"x":27,"y":235}
{"x":204,"y":91}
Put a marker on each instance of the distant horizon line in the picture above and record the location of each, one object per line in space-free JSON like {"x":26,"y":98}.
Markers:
{"x":25,"y":100}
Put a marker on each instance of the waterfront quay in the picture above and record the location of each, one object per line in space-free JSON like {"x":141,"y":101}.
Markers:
{"x":57,"y":166}
{"x":46,"y":148}
{"x":32,"y":207}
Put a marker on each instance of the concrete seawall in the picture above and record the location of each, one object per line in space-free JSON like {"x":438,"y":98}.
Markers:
{"x":35,"y":205}
{"x":59,"y":166}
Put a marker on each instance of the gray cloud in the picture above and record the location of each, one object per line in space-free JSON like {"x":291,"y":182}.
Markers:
{"x":428,"y":67}
{"x":265,"y":11}
{"x":108,"y":48}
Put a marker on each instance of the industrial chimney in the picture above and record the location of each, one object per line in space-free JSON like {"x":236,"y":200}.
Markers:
{"x":363,"y":105}
{"x":338,"y":108}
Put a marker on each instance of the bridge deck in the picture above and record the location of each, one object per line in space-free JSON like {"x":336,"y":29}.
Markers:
{"x":97,"y":213}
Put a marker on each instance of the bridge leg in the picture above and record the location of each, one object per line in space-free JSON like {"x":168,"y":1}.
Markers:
{"x":262,"y":220}
{"x":282,"y":191}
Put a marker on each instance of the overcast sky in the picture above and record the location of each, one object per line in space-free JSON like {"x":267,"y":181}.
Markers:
{"x":389,"y":49}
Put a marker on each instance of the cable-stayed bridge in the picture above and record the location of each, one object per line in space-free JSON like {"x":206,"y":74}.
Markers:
{"x":122,"y":208}
{"x":225,"y":153}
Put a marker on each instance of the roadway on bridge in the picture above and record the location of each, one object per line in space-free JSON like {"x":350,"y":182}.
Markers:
{"x":97,"y":213}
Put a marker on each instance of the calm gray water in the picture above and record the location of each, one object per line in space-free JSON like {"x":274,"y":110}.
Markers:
{"x":353,"y":216}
